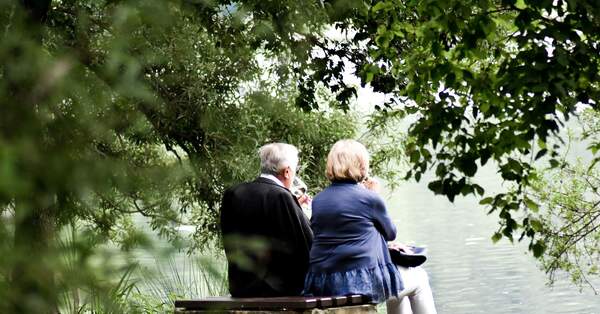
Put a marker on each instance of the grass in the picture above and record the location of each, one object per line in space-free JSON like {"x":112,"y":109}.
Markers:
{"x":187,"y":277}
{"x":105,"y":280}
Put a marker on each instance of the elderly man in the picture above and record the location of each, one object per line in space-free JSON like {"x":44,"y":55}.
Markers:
{"x":266,"y":236}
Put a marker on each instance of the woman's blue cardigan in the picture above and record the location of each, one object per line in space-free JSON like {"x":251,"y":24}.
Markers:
{"x":349,"y":252}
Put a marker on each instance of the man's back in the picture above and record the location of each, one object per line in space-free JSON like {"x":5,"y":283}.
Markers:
{"x":267,"y":240}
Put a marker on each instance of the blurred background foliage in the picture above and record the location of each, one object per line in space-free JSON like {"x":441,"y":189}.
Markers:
{"x":120,"y":111}
{"x":116,"y":110}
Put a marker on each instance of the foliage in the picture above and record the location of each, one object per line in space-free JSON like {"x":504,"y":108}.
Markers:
{"x":571,"y":224}
{"x":570,"y":215}
{"x":189,"y":277}
{"x":387,"y":141}
{"x":112,"y":109}
{"x":107,"y":280}
{"x":91,"y":278}
{"x":485,"y":81}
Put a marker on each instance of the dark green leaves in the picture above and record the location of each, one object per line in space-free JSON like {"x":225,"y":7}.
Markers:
{"x":467,"y":165}
{"x":538,"y":248}
{"x":536,"y":225}
{"x":485,"y":81}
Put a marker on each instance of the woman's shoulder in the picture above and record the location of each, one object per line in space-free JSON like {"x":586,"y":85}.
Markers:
{"x":353,"y":191}
{"x":326,"y":193}
{"x":367,"y":194}
{"x":334,"y":190}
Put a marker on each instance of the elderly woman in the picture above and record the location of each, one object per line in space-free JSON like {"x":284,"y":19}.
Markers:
{"x":351,"y":226}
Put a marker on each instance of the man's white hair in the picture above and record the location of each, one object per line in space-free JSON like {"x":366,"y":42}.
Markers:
{"x":275,"y":157}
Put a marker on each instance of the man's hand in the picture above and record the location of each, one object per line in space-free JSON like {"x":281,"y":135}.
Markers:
{"x":304,"y":199}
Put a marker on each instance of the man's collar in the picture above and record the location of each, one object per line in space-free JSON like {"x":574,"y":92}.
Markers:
{"x":272,"y":178}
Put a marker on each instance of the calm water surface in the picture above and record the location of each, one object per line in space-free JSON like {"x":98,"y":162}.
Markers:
{"x":470,"y":274}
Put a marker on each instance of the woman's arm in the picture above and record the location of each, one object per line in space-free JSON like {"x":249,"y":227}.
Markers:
{"x":382,"y":221}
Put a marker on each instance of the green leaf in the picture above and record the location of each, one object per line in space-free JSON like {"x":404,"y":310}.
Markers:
{"x":415,"y":156}
{"x":593,"y":163}
{"x":486,"y":201}
{"x":441,"y":170}
{"x":496,"y":237}
{"x":478,"y":189}
{"x":436,"y":186}
{"x":380,"y":6}
{"x":531,"y":205}
{"x":467,"y":165}
{"x":538,"y":248}
{"x":536,"y":225}
{"x":541,"y":143}
{"x":418,"y":176}
{"x":540,"y":154}
{"x":484,"y":107}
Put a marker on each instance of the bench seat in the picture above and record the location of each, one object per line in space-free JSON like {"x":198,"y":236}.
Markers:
{"x":274,"y":305}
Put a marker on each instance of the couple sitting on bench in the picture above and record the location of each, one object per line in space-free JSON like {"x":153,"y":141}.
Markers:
{"x":273,"y":251}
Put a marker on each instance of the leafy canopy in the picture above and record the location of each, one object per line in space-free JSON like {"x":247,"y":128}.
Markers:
{"x":486,"y":81}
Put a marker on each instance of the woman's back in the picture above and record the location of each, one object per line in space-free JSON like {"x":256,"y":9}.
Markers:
{"x":349,"y":252}
{"x":349,"y":223}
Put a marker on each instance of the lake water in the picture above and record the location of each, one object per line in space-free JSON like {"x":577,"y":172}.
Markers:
{"x":468,"y":272}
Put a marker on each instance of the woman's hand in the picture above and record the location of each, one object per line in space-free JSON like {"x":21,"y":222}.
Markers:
{"x":400,"y":247}
{"x":371,"y":184}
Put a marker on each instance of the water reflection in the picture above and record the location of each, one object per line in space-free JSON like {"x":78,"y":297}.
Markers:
{"x":470,"y":274}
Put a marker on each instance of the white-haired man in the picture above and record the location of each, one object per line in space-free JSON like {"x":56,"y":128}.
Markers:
{"x":266,"y":236}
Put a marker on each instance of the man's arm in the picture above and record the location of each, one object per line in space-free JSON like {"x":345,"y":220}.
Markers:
{"x":293,"y":224}
{"x":291,"y":238}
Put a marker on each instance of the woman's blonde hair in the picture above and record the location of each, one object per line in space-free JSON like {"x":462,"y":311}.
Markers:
{"x":347,"y":160}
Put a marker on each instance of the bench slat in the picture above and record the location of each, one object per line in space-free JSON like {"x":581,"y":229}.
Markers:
{"x":225,"y":303}
{"x":358,"y":299}
{"x":275,"y":303}
{"x":340,"y":300}
{"x":324,"y":302}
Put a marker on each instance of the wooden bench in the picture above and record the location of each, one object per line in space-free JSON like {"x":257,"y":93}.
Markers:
{"x":354,"y":304}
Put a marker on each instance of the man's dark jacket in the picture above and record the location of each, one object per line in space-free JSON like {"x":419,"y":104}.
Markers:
{"x":267,"y":240}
